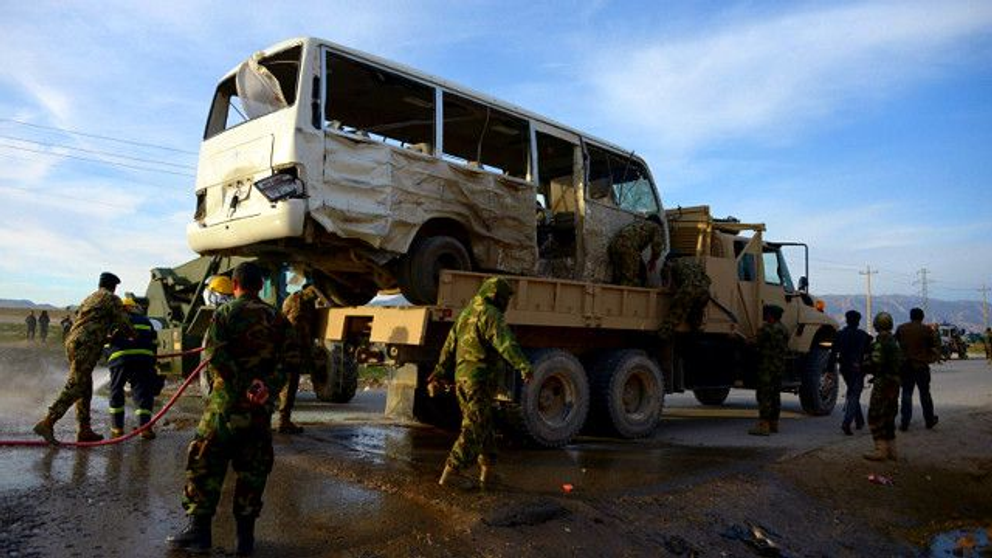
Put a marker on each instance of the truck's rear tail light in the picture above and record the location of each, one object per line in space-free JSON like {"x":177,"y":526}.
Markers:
{"x":280,"y":186}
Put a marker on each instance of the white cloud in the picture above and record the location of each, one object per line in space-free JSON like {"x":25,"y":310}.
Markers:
{"x":764,"y":78}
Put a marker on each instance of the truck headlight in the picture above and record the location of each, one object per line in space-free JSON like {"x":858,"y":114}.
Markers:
{"x":279,"y":186}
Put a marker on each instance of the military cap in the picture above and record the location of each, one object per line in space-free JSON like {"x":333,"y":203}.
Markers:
{"x":108,"y":279}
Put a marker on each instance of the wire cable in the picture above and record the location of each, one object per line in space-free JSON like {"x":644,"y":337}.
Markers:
{"x":97,"y":136}
{"x":98,"y":152}
{"x":92,"y":160}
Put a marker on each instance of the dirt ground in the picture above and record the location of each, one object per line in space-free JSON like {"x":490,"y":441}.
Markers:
{"x":358,"y":485}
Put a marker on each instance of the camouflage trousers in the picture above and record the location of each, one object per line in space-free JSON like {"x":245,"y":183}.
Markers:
{"x":477,"y":440}
{"x":242,"y":439}
{"x":687,"y":305}
{"x":882,"y":408}
{"x":78,"y":388}
{"x":769,"y":395}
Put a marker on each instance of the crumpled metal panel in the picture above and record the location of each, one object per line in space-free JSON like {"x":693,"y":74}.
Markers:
{"x":382,"y":194}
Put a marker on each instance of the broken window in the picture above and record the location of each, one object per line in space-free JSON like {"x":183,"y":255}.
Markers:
{"x":485,"y":138}
{"x":372,"y":102}
{"x":556,"y":188}
{"x":269,"y":83}
{"x":621,"y":181}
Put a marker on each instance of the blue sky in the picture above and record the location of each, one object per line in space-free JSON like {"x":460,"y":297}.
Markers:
{"x":862,"y":128}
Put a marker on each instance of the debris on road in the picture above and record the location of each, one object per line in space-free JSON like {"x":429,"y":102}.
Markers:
{"x":880,"y":480}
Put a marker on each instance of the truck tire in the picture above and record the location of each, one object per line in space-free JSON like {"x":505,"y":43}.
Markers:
{"x":420,"y":270}
{"x":818,"y":391}
{"x":711,"y":396}
{"x":628,"y":393}
{"x":335,"y":381}
{"x":554,"y":404}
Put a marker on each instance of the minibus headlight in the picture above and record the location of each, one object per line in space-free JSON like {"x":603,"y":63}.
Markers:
{"x":279,"y":186}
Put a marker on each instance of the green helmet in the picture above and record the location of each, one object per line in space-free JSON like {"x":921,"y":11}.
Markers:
{"x":883,"y":321}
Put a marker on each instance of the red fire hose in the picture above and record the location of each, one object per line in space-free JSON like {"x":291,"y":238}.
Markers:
{"x":133,"y":433}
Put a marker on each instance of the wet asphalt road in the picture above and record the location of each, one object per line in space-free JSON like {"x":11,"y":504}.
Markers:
{"x":354,"y":480}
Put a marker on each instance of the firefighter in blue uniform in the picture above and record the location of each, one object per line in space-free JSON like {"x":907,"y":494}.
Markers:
{"x":133,"y":361}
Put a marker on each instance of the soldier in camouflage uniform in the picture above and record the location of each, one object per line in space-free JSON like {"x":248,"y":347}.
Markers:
{"x":479,"y":340}
{"x":99,"y":316}
{"x":773,"y":348}
{"x":245,"y":344}
{"x":691,"y":288}
{"x":300,"y":308}
{"x":626,"y":247}
{"x":884,"y":363}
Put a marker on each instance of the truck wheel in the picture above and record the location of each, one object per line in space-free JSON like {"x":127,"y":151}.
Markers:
{"x":421,"y":269}
{"x":336,"y":381}
{"x":818,"y":392}
{"x":711,"y":396}
{"x":628,"y":393}
{"x":554,"y":404}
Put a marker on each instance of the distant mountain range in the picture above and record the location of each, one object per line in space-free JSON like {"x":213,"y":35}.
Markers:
{"x":25,"y":304}
{"x":966,"y":314}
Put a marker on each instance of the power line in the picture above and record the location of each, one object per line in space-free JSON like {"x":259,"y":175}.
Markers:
{"x":97,"y":136}
{"x":64,"y":197}
{"x":174,"y":188}
{"x":91,"y":160}
{"x":98,"y":152}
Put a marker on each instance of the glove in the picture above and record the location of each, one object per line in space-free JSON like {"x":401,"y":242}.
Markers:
{"x":434,"y":388}
{"x":258,"y":392}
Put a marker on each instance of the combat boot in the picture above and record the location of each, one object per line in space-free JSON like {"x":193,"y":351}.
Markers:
{"x":46,"y":429}
{"x":445,"y":475}
{"x":890,"y":450}
{"x":148,"y":434}
{"x":487,"y":477}
{"x":86,"y":434}
{"x":116,"y":432}
{"x":195,"y":536}
{"x":246,"y":536}
{"x":881,"y":452}
{"x":773,"y":426}
{"x":761,"y":429}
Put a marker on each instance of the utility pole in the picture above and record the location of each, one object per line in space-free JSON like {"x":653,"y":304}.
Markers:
{"x":924,"y":282}
{"x":868,"y":317}
{"x":985,"y":305}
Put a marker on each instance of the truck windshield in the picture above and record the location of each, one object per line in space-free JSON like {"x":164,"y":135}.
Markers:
{"x":260,"y":86}
{"x":777,"y":271}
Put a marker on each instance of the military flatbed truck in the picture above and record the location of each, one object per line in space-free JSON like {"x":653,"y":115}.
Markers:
{"x":598,"y":360}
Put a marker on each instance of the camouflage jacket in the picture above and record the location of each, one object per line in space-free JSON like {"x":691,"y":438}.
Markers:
{"x":886,"y":357}
{"x":247,"y":340}
{"x":637,"y":236}
{"x":99,"y":316}
{"x":479,"y":339}
{"x":300,"y":308}
{"x":773,"y":347}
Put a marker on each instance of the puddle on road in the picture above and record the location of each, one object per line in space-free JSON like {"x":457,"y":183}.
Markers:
{"x":962,"y":543}
{"x":590,"y":466}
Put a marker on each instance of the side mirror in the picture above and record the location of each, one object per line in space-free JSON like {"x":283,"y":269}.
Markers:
{"x":803,"y":284}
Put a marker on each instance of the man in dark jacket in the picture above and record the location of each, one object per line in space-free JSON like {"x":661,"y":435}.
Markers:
{"x":917,"y":344}
{"x":850,"y":348}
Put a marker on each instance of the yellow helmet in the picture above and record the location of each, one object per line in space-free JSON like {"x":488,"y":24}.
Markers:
{"x":130,"y":304}
{"x":221,"y":284}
